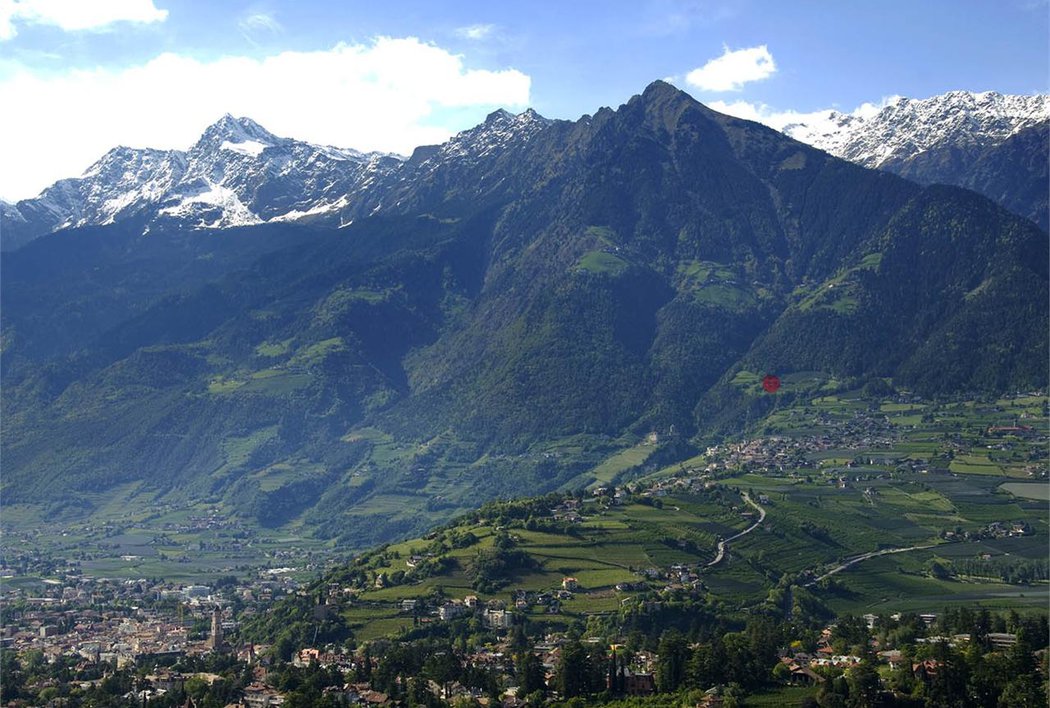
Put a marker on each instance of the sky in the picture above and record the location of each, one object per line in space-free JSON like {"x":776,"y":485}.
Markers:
{"x":78,"y":77}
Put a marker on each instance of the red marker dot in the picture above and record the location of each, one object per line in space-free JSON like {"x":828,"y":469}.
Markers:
{"x":771,"y":383}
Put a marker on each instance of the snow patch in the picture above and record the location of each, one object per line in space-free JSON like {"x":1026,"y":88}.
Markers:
{"x":322,"y":208}
{"x":247,"y":147}
{"x":233,"y":211}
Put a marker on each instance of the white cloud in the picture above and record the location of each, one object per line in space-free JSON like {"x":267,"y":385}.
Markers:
{"x":762,"y":113}
{"x":75,"y":15}
{"x":475,"y":32}
{"x":7,"y":27}
{"x":259,"y":21}
{"x":733,"y":69}
{"x":808,"y":126}
{"x":387,"y":95}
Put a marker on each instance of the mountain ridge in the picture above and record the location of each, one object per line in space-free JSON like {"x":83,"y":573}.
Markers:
{"x":905,"y":127}
{"x":239,"y":173}
{"x":992,"y":143}
{"x":506,"y":321}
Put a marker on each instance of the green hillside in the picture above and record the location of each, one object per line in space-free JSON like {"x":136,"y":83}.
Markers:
{"x":869,"y":479}
{"x":518,"y":323}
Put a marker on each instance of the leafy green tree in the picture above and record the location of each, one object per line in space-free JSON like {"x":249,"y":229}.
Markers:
{"x":781,"y":673}
{"x":733,"y":696}
{"x":1020,"y":658}
{"x":419,"y":694}
{"x":519,"y":641}
{"x":196,"y":688}
{"x":988,"y":674}
{"x":764,"y":638}
{"x":673,"y":655}
{"x":707,"y":664}
{"x":12,"y":678}
{"x":530,"y":674}
{"x":1025,"y":691}
{"x":947,"y":685}
{"x":443,"y":667}
{"x":863,"y":681}
{"x":852,"y":630}
{"x":572,"y":670}
{"x":742,"y":666}
{"x":834,"y":693}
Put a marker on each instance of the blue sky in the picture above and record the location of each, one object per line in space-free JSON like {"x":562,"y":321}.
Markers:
{"x":85,"y":76}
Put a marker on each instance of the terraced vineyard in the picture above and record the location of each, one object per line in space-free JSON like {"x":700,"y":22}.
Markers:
{"x":845,"y":476}
{"x":839,"y":477}
{"x":610,"y":544}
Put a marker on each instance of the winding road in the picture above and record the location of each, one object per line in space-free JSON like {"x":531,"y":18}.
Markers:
{"x":722,"y":544}
{"x":866,"y":556}
{"x":837,"y":569}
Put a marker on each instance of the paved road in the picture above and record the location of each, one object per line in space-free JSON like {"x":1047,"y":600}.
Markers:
{"x":866,"y":556}
{"x":722,"y":544}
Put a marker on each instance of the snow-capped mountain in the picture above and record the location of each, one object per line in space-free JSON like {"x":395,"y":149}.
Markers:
{"x":499,"y":129}
{"x":237,"y":174}
{"x":991,"y":143}
{"x":906,"y":127}
{"x":471,"y":165}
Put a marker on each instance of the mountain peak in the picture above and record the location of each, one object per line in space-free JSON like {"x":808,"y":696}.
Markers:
{"x":660,"y":96}
{"x":500,"y":115}
{"x":503,"y":117}
{"x":238,"y":130}
{"x":531,"y":115}
{"x":662,"y":105}
{"x":658,"y":89}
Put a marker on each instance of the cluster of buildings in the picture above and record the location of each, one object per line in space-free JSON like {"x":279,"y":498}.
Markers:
{"x":493,"y":613}
{"x":123,"y":621}
{"x":803,"y":668}
{"x":109,"y":636}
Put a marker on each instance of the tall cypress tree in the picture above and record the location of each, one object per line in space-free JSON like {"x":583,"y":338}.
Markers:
{"x":674,"y":655}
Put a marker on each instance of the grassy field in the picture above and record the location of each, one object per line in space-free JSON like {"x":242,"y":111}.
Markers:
{"x":838,"y":476}
{"x":607,"y":471}
{"x":1028,"y":490}
{"x":608,"y":547}
{"x":899,"y":584}
{"x":602,"y":262}
{"x":787,"y":696}
{"x":914,"y":473}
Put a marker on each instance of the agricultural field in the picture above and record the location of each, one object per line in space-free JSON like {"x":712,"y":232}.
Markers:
{"x":191,"y":543}
{"x":903,"y":474}
{"x":863,"y":507}
{"x":608,"y":470}
{"x":838,"y":476}
{"x":610,"y":544}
